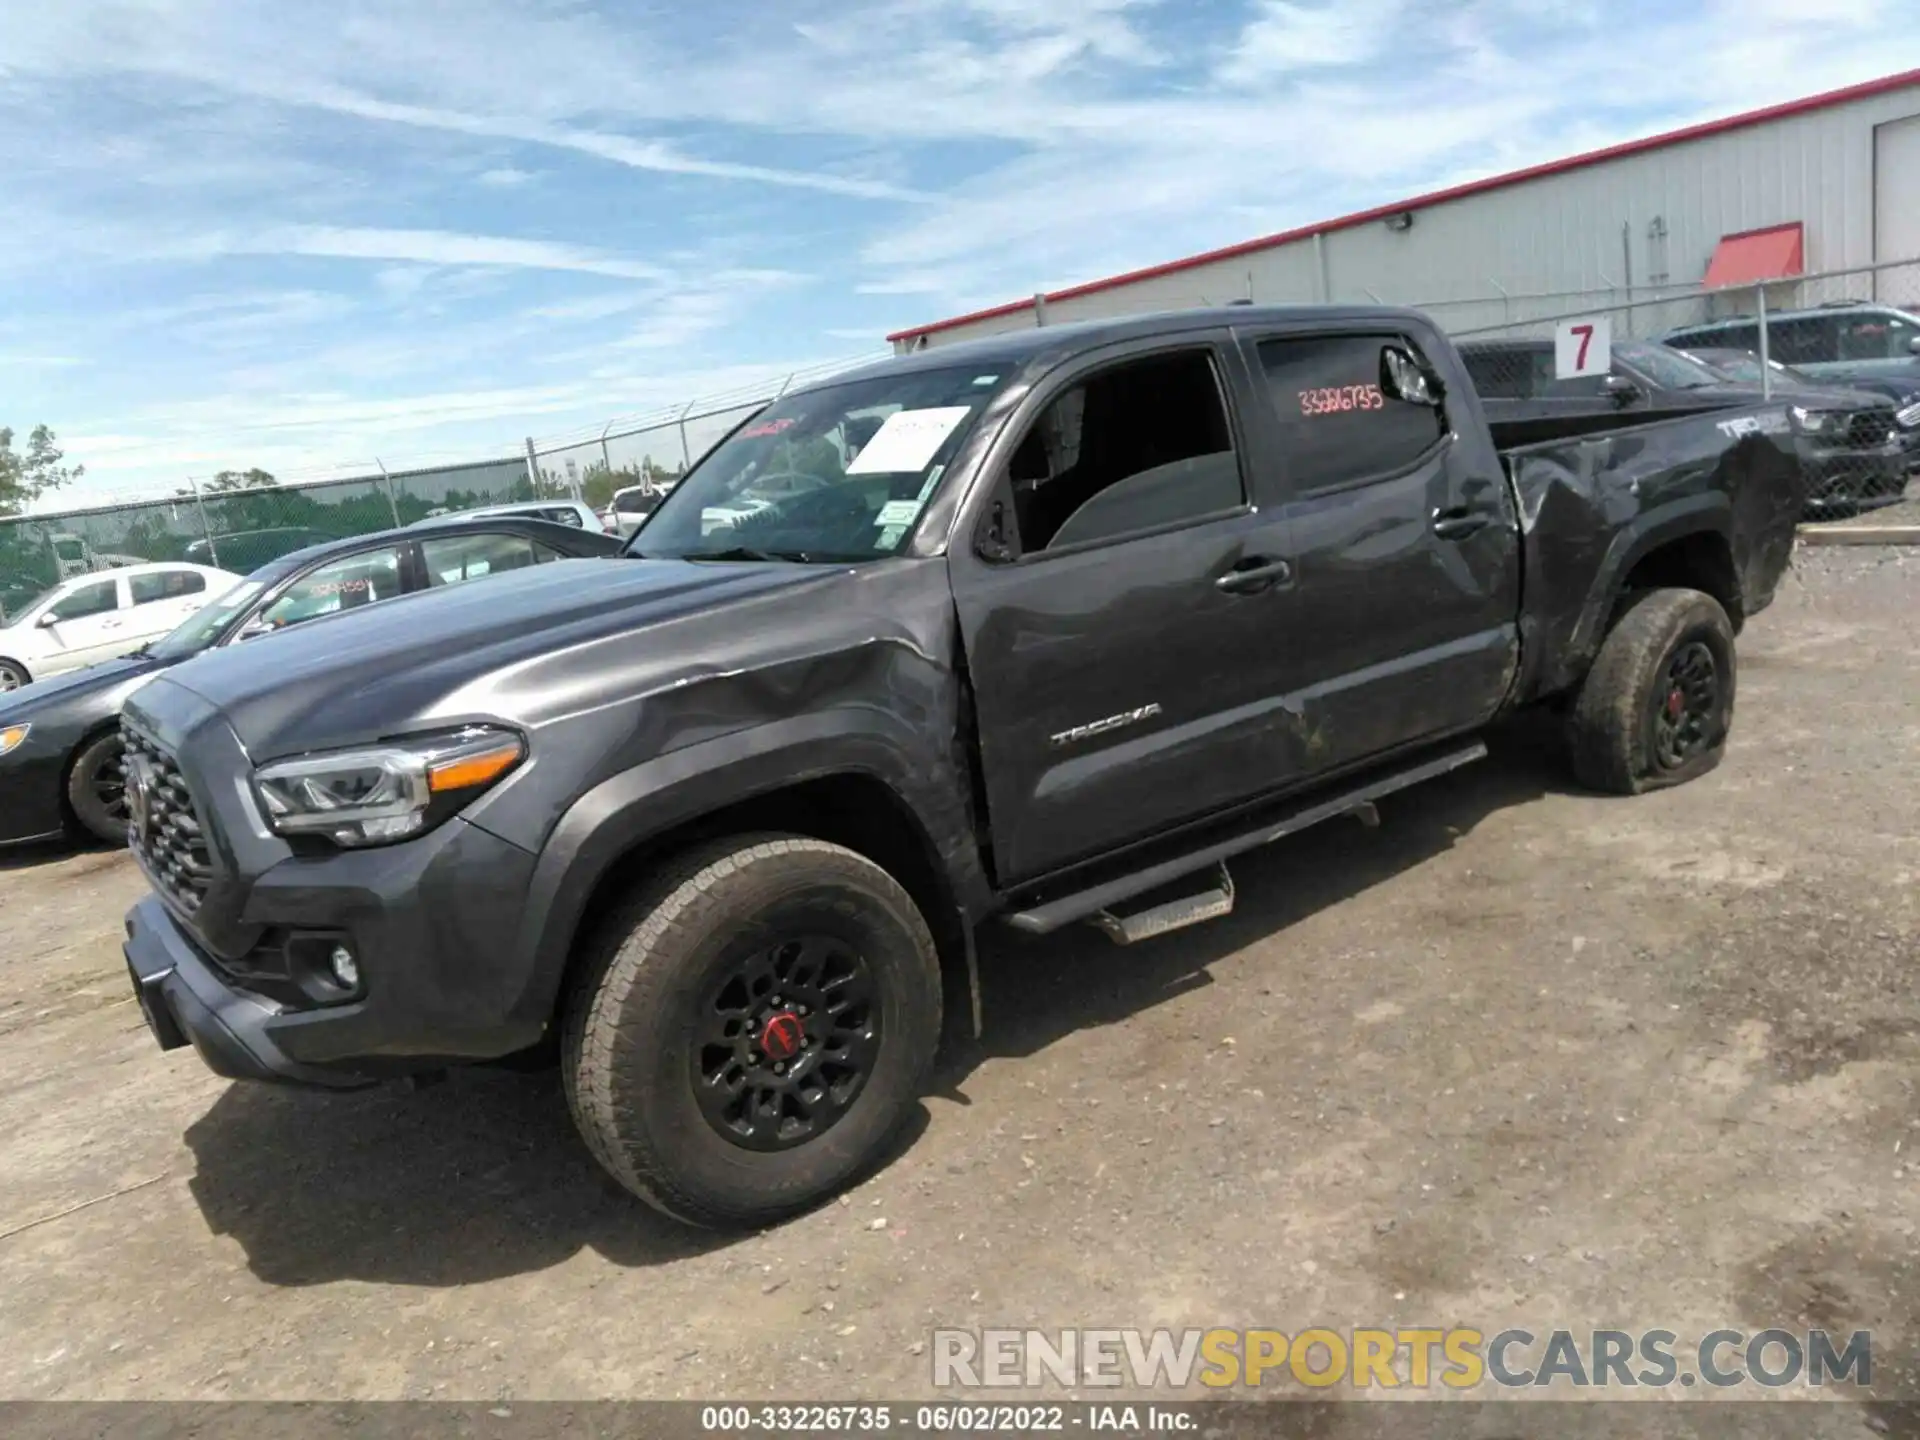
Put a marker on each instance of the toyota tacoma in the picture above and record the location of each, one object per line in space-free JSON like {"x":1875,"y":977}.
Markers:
{"x":1032,"y":631}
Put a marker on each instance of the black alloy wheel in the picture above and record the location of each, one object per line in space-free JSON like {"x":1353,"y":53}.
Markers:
{"x":1686,"y":706}
{"x":785,"y":1042}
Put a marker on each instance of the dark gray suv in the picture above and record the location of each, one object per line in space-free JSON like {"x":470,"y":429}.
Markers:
{"x":1851,"y":342}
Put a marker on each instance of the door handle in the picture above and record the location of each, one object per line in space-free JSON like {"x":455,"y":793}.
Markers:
{"x":1459,"y":522}
{"x":1252,"y":575}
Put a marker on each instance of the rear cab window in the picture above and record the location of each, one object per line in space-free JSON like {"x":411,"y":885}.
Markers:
{"x":1340,"y":422}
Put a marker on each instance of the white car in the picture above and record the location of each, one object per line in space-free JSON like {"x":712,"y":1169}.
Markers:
{"x":579,"y":515}
{"x":91,"y":618}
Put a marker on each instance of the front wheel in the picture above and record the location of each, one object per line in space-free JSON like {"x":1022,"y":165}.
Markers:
{"x":97,"y":789}
{"x":753,"y":1029}
{"x":1657,"y":705}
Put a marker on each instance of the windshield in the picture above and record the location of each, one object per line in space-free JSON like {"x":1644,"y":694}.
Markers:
{"x":206,"y":624}
{"x":1666,"y":366}
{"x":835,"y":474}
{"x":1739,"y":365}
{"x":16,"y":611}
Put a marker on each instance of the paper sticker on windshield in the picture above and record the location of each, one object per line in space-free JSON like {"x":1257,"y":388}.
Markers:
{"x":764,"y":428}
{"x":908,"y":440}
{"x":898,"y":512}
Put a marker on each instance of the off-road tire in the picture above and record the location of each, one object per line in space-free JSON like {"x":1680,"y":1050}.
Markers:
{"x":89,"y":810}
{"x":626,"y":1042}
{"x":1610,"y":727}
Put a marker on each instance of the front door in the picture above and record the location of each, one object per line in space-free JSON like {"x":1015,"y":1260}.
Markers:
{"x":1406,"y":541}
{"x":1126,"y":608}
{"x":88,"y":624}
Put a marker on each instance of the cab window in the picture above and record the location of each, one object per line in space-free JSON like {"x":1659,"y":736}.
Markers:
{"x":1136,"y":447}
{"x":1340,"y":423}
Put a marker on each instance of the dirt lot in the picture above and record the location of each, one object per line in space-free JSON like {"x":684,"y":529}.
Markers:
{"x":1521,"y":1056}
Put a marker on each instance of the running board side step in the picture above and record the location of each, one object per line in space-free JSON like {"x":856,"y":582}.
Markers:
{"x":1174,"y":914}
{"x":1097,"y":902}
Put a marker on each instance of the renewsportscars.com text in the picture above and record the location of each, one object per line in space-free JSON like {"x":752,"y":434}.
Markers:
{"x":1459,"y":1358}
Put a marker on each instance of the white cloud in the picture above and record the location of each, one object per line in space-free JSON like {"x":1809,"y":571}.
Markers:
{"x":426,"y":247}
{"x":504,"y":176}
{"x":1285,"y":37}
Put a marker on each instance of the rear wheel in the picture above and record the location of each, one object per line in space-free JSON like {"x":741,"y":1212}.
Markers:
{"x":753,"y":1029}
{"x":1657,"y":705}
{"x":13,"y":676}
{"x":97,"y":789}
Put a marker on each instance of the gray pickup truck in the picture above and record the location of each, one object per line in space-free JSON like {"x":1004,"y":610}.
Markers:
{"x":1038,"y":630}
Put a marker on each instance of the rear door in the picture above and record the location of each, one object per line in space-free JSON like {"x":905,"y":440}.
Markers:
{"x":1406,"y":541}
{"x":1127,"y":606}
{"x":161,"y":599}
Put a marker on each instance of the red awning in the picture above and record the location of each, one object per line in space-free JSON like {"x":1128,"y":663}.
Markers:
{"x":1755,"y":255}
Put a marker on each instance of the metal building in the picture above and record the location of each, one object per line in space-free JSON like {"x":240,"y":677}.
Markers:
{"x":1819,"y":184}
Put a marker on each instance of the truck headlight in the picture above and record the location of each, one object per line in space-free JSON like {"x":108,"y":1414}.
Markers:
{"x":383,"y":793}
{"x":1909,"y":417}
{"x":1814,"y":422}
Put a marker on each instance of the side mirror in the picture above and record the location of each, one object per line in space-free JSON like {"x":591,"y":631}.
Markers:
{"x":47,"y":621}
{"x":1621,"y":390}
{"x":253,"y":630}
{"x":1405,"y":378}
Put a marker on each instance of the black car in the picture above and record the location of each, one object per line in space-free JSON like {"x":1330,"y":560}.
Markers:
{"x":1744,"y":366}
{"x":60,"y":754}
{"x":1853,"y":449}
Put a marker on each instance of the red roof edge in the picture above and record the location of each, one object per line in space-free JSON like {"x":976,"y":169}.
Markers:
{"x":1825,"y":100}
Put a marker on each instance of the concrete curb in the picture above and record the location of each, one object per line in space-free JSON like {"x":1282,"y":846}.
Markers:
{"x":1859,"y":534}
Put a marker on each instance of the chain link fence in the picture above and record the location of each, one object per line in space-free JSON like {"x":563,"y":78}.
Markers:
{"x":243,"y":521}
{"x":1835,"y":347}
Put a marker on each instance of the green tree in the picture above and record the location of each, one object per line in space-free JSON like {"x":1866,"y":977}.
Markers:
{"x":25,"y":477}
{"x":253,"y":479}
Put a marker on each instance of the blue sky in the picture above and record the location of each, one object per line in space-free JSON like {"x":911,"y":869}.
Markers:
{"x":308,"y":233}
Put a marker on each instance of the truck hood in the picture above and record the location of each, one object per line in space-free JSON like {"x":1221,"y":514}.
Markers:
{"x":526,"y":648}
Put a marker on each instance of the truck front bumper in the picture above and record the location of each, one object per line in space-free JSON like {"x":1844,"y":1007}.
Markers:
{"x":433,"y":926}
{"x":186,"y":1002}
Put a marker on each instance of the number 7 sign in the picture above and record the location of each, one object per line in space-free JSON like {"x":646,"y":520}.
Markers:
{"x":1582,"y":347}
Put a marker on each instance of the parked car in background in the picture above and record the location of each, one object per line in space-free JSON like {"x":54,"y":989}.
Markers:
{"x":1744,"y":366}
{"x":1098,"y":609}
{"x":558,"y":512}
{"x":248,"y":550}
{"x":1847,"y":342}
{"x":632,"y":505}
{"x":1853,"y":451}
{"x":60,"y":739}
{"x":91,"y":618}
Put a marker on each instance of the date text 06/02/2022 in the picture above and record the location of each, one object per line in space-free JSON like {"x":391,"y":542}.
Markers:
{"x":882,"y":1418}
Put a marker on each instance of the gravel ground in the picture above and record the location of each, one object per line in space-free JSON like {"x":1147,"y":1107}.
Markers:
{"x":1522,"y":1056}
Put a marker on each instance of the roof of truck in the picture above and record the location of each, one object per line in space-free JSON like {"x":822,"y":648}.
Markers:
{"x":1047,"y":343}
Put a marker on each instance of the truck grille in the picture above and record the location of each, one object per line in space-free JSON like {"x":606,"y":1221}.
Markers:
{"x":1869,"y":429}
{"x":163,"y":823}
